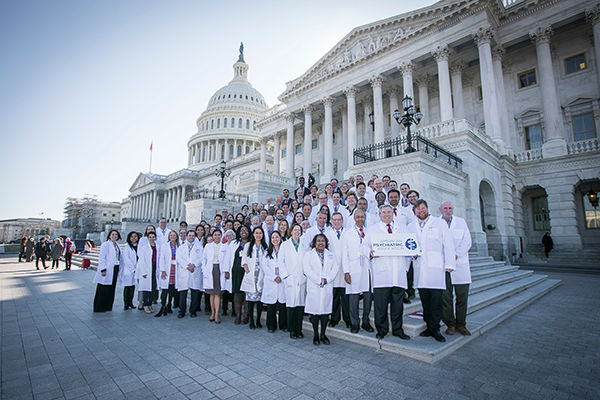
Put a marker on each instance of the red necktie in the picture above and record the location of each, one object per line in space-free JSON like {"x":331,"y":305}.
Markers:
{"x":389,"y":228}
{"x":395,"y":214}
{"x":362,"y":234}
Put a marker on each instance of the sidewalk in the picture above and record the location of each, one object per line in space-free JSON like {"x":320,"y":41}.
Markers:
{"x":53,"y":346}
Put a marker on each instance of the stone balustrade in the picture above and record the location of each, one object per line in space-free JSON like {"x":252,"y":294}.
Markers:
{"x":529,"y":155}
{"x":452,"y":126}
{"x":583,"y":146}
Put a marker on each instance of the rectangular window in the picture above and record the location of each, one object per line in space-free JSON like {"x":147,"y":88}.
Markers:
{"x":479,"y":93}
{"x":333,"y":139}
{"x":298,"y":149}
{"x":541,"y":216}
{"x":583,"y":127}
{"x":592,"y":215}
{"x":315,"y":144}
{"x":527,"y":79}
{"x":283,"y":153}
{"x":225,"y":123}
{"x":533,"y":137}
{"x":575,"y":64}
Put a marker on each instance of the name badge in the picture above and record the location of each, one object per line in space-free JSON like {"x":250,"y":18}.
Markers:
{"x":117,"y":262}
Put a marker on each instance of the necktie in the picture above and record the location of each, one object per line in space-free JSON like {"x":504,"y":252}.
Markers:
{"x":362,"y":233}
{"x":322,"y":230}
{"x":395,"y":214}
{"x":335,"y":208}
{"x":338,"y":234}
{"x":389,"y":228}
{"x":405,"y":202}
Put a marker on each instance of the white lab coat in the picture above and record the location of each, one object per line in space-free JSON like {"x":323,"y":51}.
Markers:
{"x":127,"y":266}
{"x":108,"y":258}
{"x":342,"y":210}
{"x":355,"y":261}
{"x":184,"y":279}
{"x":437,"y":253}
{"x":249,"y":285}
{"x":388,"y":271}
{"x":404,"y":215}
{"x":162,"y":237}
{"x":292,"y":273}
{"x":335,"y":246}
{"x":309,"y":234}
{"x":266,"y":230}
{"x":273,"y":292}
{"x":319,"y":300}
{"x":164,"y":265}
{"x":144,"y":267}
{"x":226,"y":254}
{"x":207,"y":266}
{"x":462,"y":244}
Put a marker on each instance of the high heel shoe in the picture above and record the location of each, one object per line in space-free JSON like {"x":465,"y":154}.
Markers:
{"x":147,"y":310}
{"x":163,"y":311}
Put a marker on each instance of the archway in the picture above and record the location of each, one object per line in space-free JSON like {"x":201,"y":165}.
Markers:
{"x":488,"y":215}
{"x":536,"y":217}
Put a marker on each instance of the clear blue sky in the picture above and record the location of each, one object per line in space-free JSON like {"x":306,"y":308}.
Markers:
{"x":87,"y":85}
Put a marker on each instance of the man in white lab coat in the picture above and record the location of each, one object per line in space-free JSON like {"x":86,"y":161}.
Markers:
{"x":457,"y":281}
{"x":162,"y":233}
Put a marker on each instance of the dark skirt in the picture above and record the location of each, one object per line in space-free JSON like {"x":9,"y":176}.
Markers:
{"x":216,"y":274}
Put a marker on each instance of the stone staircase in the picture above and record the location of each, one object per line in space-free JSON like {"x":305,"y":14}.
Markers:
{"x":534,"y":254}
{"x":77,"y":259}
{"x":497,"y":292}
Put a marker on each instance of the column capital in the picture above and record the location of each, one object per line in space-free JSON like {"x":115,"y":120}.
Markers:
{"x":350,"y":91}
{"x":592,"y":15}
{"x":441,"y":53}
{"x":308,"y":109}
{"x":327,"y":101}
{"x":376,"y":80}
{"x":393,"y":91}
{"x":263,"y":141}
{"x":277,"y":135}
{"x":483,"y":35}
{"x":423,"y":80}
{"x":407,"y":67}
{"x":498,"y":52}
{"x":289,"y":117}
{"x":456,"y":67}
{"x":541,"y":35}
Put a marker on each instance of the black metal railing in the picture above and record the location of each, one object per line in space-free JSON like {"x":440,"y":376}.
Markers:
{"x":213,"y":194}
{"x":399,"y":146}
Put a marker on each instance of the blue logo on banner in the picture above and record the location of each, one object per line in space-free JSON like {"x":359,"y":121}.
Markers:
{"x":410,"y":244}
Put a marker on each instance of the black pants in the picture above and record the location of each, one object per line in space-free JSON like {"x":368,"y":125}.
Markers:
{"x":458,"y":320}
{"x":294,"y":319}
{"x":105,"y":294}
{"x":42,"y":259}
{"x":353,"y":305}
{"x":128,"y":292}
{"x":194,"y":307}
{"x":54,"y":263}
{"x":251,"y":306}
{"x":383,"y":297}
{"x":225,"y":300}
{"x":314,"y":319}
{"x":340,"y":301}
{"x":68,"y":260}
{"x":272,"y":310}
{"x":410,"y":277}
{"x":431,"y":299}
{"x":171,"y":292}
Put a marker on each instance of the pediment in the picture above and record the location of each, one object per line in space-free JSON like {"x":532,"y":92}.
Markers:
{"x":145,"y":179}
{"x":531,"y":112}
{"x":580,"y":100}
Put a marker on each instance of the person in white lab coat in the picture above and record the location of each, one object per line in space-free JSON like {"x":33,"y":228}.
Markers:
{"x":437,"y":257}
{"x":127,"y":269}
{"x":457,"y":281}
{"x":162,"y":233}
{"x":225,"y":262}
{"x":142,"y":242}
{"x":167,"y":264}
{"x":252,"y":284}
{"x":146,"y":270}
{"x":294,"y":281}
{"x":273,"y":294}
{"x":107,"y":272}
{"x":320,"y":268}
{"x":340,"y":300}
{"x":211,"y":273}
{"x":188,"y":274}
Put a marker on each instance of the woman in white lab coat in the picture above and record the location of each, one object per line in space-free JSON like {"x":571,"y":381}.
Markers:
{"x":166,"y":273}
{"x":225,"y":262}
{"x":211,"y":274}
{"x":146,"y":270}
{"x":107,"y":272}
{"x":188,"y":274}
{"x":294,"y":281}
{"x":320,"y":268}
{"x":252,"y":284}
{"x":127,"y":269}
{"x":273,"y":289}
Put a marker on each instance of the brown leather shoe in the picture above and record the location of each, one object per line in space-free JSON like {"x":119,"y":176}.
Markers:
{"x":463,"y":331}
{"x":450,"y":331}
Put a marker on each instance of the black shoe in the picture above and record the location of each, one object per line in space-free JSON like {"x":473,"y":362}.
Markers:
{"x":348,"y":325}
{"x":163,"y":311}
{"x":332,"y":324}
{"x":367,"y":327}
{"x":180,"y":315}
{"x":354,"y":329}
{"x":126,"y":307}
{"x":406,"y":300}
{"x":224,"y":313}
{"x":293,"y":335}
{"x":379,"y":336}
{"x":284,"y":330}
{"x":301,"y":335}
{"x":169,"y":309}
{"x":252,"y":326}
{"x":425,"y":333}
{"x":411,"y":297}
{"x":271,"y":330}
{"x":258,"y":325}
{"x":438,"y":336}
{"x":316,"y":341}
{"x":193,"y":315}
{"x":325,"y":340}
{"x":401,"y":335}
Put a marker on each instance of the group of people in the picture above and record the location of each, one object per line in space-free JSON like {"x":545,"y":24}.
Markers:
{"x":312,"y":254}
{"x":46,"y":249}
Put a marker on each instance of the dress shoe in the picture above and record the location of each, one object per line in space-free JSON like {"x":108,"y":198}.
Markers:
{"x":293,"y":335}
{"x":401,"y":335}
{"x":252,"y":326}
{"x":126,"y":308}
{"x":332,"y":324}
{"x":163,"y":311}
{"x":169,"y":309}
{"x":224,"y":313}
{"x":325,"y":340}
{"x":425,"y":333}
{"x":438,"y":336}
{"x":367,"y":327}
{"x":450,"y":331}
{"x":354,"y":329}
{"x":379,"y":336}
{"x":211,"y":319}
{"x":271,"y":330}
{"x":180,"y":315}
{"x":218,"y":321}
{"x":411,"y":297}
{"x":316,"y":341}
{"x":463,"y":331}
{"x":193,"y":315}
{"x":300,"y":335}
{"x":405,"y":300}
{"x":258,"y":325}
{"x":348,"y":325}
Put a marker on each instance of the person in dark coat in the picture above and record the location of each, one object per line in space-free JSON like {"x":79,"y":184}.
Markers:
{"x":548,"y":243}
{"x":22,"y":249}
{"x":41,"y":251}
{"x":29,"y":246}
{"x":56,"y":252}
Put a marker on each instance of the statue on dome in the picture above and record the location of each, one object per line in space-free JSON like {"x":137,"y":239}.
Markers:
{"x":241,"y":58}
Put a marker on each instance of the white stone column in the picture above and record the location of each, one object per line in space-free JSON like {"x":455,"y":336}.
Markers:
{"x":407,"y":68}
{"x":277,"y":153}
{"x":143,"y":205}
{"x":497,"y":54}
{"x":226,"y":155}
{"x":155,"y":206}
{"x":377,"y":82}
{"x":198,"y":148}
{"x":146,"y":205}
{"x":220,"y":154}
{"x":343,"y":163}
{"x":554,"y":142}
{"x":393,"y":95}
{"x":190,"y":155}
{"x":328,"y":139}
{"x":592,"y":16}
{"x":368,"y":128}
{"x":201,"y":151}
{"x":133,"y":205}
{"x":289,"y":146}
{"x":182,"y":204}
{"x":441,"y":54}
{"x":308,"y":109}
{"x":350,"y":93}
{"x":263,"y":155}
{"x":174,"y":203}
{"x":165,"y":202}
{"x":456,"y":69}
{"x":483,"y":38}
{"x":423,"y":83}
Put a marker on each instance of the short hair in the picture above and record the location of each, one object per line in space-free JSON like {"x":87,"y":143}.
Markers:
{"x":404,"y":183}
{"x":363,"y":199}
{"x":360,"y":183}
{"x":337,"y":213}
{"x":193,"y":231}
{"x":161,"y":218}
{"x":381,"y":207}
{"x":419,"y":202}
{"x":385,"y":176}
{"x":335,"y":179}
{"x":352,"y":194}
{"x":393,"y":191}
{"x":412,"y":191}
{"x":379,"y":194}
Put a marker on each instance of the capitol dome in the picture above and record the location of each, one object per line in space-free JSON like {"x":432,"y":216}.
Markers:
{"x":227,"y":128}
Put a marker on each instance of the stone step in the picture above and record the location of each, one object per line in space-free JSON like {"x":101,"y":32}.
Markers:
{"x":486,"y":265}
{"x":487,"y":272}
{"x":426,"y":349}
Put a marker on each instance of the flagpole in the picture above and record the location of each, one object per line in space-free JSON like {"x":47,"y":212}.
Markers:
{"x":150,"y":168}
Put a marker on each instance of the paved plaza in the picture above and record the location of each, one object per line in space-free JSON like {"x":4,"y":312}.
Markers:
{"x":53,"y":346}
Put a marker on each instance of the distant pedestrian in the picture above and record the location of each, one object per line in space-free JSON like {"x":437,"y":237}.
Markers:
{"x":41,"y":251}
{"x":29,"y":246}
{"x":56,"y":252}
{"x":548,"y":243}
{"x":69,"y":249}
{"x":22,"y":249}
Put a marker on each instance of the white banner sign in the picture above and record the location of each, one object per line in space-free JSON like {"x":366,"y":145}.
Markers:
{"x":397,"y":244}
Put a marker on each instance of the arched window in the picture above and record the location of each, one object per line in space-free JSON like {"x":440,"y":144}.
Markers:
{"x":247,"y":149}
{"x":222,"y":152}
{"x":246,"y":97}
{"x":224,"y":122}
{"x":218,"y":123}
{"x":229,"y":96}
{"x":204,"y":154}
{"x":233,"y":122}
{"x":254,"y":125}
{"x":240,"y":123}
{"x":247,"y":124}
{"x":230,"y":151}
{"x":212,"y":124}
{"x":239,"y":151}
{"x":235,"y":96}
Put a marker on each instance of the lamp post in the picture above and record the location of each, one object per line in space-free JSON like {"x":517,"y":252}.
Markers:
{"x":372,"y":121}
{"x":222,"y":172}
{"x":411,"y":116}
